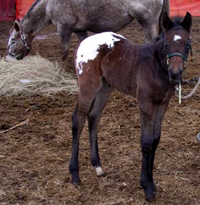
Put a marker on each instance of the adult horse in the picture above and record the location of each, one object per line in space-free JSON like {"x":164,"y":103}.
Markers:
{"x":80,"y":16}
{"x":148,"y":72}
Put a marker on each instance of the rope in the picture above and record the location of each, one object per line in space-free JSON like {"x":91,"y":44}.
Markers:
{"x":192,"y":92}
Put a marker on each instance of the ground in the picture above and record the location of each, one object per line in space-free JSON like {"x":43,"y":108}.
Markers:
{"x":34,"y":156}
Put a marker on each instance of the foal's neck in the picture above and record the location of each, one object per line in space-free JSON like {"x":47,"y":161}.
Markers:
{"x":161,"y":54}
{"x":35,"y":19}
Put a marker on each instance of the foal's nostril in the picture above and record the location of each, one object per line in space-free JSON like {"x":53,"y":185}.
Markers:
{"x":175,"y":75}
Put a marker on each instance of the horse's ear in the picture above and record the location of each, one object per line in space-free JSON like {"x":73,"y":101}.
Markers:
{"x":187,"y":22}
{"x":17,"y":26}
{"x":166,"y":22}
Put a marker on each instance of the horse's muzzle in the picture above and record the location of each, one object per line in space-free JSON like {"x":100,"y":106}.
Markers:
{"x":175,"y":76}
{"x":10,"y":58}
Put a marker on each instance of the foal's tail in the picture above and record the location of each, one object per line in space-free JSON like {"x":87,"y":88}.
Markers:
{"x":165,"y":8}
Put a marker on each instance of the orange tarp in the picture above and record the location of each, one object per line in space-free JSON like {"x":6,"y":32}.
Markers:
{"x":180,"y":7}
{"x":177,"y":7}
{"x":22,"y":6}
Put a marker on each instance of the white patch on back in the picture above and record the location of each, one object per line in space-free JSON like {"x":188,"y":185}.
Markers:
{"x":177,"y":38}
{"x":88,"y":49}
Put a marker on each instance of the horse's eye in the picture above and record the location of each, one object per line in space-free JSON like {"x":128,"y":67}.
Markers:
{"x":167,"y":48}
{"x":13,"y":42}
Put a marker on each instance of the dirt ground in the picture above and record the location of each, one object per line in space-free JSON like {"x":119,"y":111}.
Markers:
{"x":34,"y":156}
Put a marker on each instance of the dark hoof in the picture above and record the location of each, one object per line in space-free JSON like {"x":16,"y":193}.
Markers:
{"x":76,"y":183}
{"x":150,"y":195}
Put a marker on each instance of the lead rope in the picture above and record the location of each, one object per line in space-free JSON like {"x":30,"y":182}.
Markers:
{"x":179,"y":93}
{"x":193,"y":91}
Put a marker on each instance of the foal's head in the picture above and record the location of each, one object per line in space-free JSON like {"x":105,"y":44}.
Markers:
{"x":177,"y":44}
{"x":19,"y":44}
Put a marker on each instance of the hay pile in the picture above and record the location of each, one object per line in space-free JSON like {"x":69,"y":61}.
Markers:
{"x":34,"y":75}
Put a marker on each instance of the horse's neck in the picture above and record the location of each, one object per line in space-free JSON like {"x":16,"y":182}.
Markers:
{"x":161,"y":54}
{"x":36,"y":18}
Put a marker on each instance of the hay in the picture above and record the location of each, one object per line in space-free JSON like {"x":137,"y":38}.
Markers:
{"x":34,"y":75}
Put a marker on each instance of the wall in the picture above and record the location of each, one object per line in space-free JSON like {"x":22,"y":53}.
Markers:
{"x":7,"y":10}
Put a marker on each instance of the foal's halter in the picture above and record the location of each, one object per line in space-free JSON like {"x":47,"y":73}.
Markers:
{"x":185,"y":64}
{"x":179,"y":55}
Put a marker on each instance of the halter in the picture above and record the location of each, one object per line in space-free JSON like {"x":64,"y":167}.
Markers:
{"x":23,"y":38}
{"x":179,"y":55}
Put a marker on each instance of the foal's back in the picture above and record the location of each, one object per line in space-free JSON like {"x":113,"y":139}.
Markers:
{"x":122,"y":63}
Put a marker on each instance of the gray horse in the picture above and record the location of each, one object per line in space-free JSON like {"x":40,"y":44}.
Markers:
{"x":80,"y":16}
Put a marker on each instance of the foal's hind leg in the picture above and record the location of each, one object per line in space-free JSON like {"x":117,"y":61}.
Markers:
{"x":93,"y":120}
{"x":86,"y":97}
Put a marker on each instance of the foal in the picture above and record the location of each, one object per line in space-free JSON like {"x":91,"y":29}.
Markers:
{"x":148,"y":72}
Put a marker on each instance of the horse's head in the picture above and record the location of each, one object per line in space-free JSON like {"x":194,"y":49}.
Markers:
{"x":177,"y":44}
{"x":19,"y":44}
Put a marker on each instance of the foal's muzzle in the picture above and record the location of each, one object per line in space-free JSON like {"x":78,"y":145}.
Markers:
{"x":175,"y":71}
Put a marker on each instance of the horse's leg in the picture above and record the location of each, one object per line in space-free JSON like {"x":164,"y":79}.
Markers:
{"x":150,"y":28}
{"x":151,"y":121}
{"x":93,"y":120}
{"x":82,"y":35}
{"x":86,"y":97}
{"x":158,"y":119}
{"x":146,"y":121}
{"x":65,"y":35}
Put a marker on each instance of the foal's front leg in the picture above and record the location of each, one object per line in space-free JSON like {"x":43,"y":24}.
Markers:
{"x":151,"y":132}
{"x":147,"y":143}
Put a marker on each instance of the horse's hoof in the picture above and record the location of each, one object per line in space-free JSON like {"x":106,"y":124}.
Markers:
{"x":76,"y":182}
{"x":151,"y":200}
{"x":150,"y":196}
{"x":198,"y":137}
{"x":100,"y":172}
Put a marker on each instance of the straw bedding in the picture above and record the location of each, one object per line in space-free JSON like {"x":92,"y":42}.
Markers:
{"x":34,"y":75}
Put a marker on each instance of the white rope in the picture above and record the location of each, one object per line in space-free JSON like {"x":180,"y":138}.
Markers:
{"x":179,"y":93}
{"x":192,"y":92}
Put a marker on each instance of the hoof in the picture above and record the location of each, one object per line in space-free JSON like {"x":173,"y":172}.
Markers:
{"x":99,"y":171}
{"x":76,"y":183}
{"x":151,"y":200}
{"x":150,"y":195}
{"x":198,"y":137}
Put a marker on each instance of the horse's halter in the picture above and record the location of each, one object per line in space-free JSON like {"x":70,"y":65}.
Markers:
{"x":23,"y":38}
{"x":179,"y":55}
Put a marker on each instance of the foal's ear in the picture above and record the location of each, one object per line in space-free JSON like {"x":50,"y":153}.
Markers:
{"x":17,"y":26}
{"x":187,"y":22}
{"x":166,"y":22}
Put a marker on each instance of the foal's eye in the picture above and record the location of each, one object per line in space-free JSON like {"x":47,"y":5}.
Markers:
{"x":166,"y":48}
